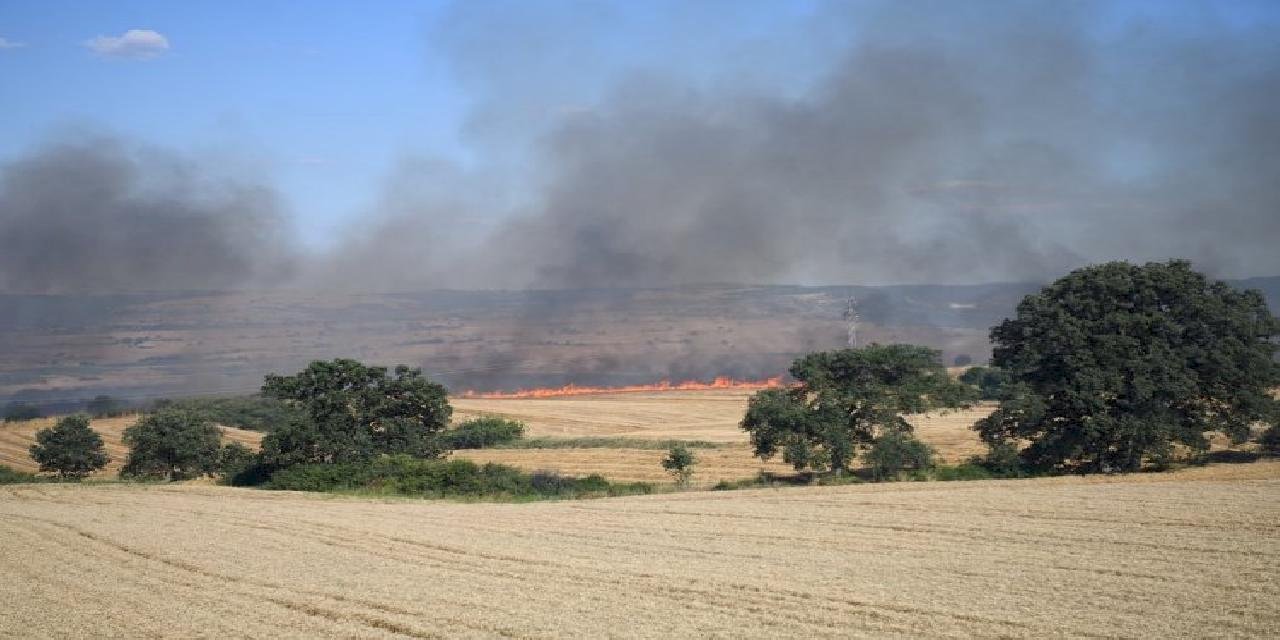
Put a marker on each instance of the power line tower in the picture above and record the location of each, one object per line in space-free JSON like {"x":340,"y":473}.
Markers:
{"x":851,"y":321}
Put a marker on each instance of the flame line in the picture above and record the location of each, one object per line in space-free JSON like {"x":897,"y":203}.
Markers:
{"x":720,"y":382}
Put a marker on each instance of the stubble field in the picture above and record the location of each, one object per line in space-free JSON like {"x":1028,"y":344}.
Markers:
{"x":710,"y":416}
{"x":1190,"y":554}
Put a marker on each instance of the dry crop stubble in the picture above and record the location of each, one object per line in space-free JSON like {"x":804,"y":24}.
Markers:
{"x":1188,"y":554}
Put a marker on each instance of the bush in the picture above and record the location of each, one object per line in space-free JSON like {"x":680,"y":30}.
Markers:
{"x":992,"y":382}
{"x":1002,"y":460}
{"x":10,"y":476}
{"x":897,"y":451}
{"x":1269,"y":441}
{"x":966,"y":471}
{"x":104,"y":406}
{"x":18,"y":411}
{"x":404,"y":475}
{"x":679,"y":463}
{"x":172,"y":444}
{"x":481,"y":433}
{"x":70,"y":449}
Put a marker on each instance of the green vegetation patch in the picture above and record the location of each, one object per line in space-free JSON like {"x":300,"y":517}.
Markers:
{"x":408,"y":476}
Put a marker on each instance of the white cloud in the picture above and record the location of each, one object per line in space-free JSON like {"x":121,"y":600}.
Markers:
{"x":9,"y":44}
{"x":135,"y":43}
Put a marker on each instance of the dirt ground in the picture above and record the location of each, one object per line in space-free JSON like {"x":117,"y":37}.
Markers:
{"x":1190,"y":554}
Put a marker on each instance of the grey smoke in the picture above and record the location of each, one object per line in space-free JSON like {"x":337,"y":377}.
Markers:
{"x":947,"y":142}
{"x":91,"y":212}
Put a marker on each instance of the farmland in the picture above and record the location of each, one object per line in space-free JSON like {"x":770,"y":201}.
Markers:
{"x":1189,"y":554}
{"x":710,"y":416}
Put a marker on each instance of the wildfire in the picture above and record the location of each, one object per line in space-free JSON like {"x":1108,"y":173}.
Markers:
{"x":720,"y":382}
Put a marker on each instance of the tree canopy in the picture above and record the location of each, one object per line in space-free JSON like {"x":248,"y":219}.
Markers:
{"x":352,"y":412}
{"x":845,"y":399}
{"x":1117,"y":363}
{"x":69,"y":448}
{"x":172,"y":444}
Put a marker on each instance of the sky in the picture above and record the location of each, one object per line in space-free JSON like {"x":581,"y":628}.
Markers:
{"x":559,"y":143}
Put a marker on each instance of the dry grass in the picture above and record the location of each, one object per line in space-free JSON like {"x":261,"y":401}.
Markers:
{"x":1170,"y":555}
{"x":696,"y":415}
{"x":16,"y":439}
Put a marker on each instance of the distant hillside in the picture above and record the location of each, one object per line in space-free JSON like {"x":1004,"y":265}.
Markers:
{"x":59,"y":350}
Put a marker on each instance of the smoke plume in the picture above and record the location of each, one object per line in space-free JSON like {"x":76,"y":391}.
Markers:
{"x":95,"y":213}
{"x":944,"y":142}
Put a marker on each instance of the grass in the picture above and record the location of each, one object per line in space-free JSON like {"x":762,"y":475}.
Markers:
{"x":588,"y":442}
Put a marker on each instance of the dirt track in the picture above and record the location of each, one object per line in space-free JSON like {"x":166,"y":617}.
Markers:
{"x":1187,"y":555}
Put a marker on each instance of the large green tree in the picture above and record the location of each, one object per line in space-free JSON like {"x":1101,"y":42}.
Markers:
{"x":352,"y":412}
{"x":172,"y":444}
{"x":69,"y":448}
{"x":1118,"y":363}
{"x":845,"y":399}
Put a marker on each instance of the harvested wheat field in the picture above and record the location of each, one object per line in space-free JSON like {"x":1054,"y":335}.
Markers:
{"x":1190,"y":554}
{"x":711,"y":416}
{"x":16,"y":439}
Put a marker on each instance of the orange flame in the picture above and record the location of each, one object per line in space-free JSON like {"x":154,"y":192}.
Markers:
{"x":720,"y":382}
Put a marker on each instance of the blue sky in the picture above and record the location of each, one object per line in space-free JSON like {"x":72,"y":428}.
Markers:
{"x":328,"y":97}
{"x":324,"y":97}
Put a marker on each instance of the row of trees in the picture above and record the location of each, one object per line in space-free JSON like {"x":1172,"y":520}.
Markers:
{"x":1110,"y":367}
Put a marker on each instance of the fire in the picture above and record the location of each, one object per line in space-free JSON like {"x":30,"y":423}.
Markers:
{"x":720,"y":382}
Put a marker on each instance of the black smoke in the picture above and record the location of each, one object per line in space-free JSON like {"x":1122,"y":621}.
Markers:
{"x":93,"y":213}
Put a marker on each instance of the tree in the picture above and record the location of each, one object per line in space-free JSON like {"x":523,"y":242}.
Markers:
{"x":846,"y":399}
{"x":104,"y":406}
{"x":679,"y":463}
{"x":1117,"y":363}
{"x":18,"y":411}
{"x":895,"y":452}
{"x":352,"y":412}
{"x":172,"y":444}
{"x":962,"y":360}
{"x":991,"y":382}
{"x":69,"y":448}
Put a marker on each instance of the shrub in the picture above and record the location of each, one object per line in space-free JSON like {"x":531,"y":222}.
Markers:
{"x":234,"y":459}
{"x":70,"y":448}
{"x":10,"y":476}
{"x":679,"y":463}
{"x":172,"y":444}
{"x":992,"y":382}
{"x":966,"y":471}
{"x":1002,"y":460}
{"x":897,"y":451}
{"x":105,"y":406}
{"x":480,"y":433}
{"x":404,"y":475}
{"x":18,"y":411}
{"x":1269,"y":441}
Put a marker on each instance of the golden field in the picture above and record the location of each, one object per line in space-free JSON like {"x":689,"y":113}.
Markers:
{"x":1189,"y":554}
{"x":685,"y":415}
